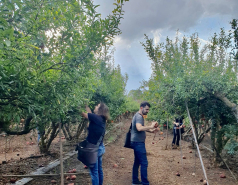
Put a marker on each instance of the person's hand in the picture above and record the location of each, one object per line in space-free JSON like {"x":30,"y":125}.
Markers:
{"x":88,"y":109}
{"x":85,"y":115}
{"x":153,"y":124}
{"x":177,"y":124}
{"x":156,"y":130}
{"x":156,"y":125}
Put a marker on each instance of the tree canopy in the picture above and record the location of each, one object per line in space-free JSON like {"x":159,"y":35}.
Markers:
{"x":51,"y":63}
{"x":204,"y":75}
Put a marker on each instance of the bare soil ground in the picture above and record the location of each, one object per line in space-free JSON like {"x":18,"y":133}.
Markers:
{"x":20,"y":155}
{"x":118,"y":161}
{"x":163,"y":164}
{"x":16,"y":147}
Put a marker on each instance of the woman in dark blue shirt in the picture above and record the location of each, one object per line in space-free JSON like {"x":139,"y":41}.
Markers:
{"x":96,"y":129}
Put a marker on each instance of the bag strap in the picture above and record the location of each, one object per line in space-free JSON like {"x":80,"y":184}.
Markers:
{"x":141,"y":115}
{"x":100,"y":139}
{"x":130,"y":126}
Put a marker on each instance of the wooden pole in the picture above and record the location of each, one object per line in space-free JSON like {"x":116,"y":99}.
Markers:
{"x":166,"y":148}
{"x":42,"y":175}
{"x":6,"y":149}
{"x":61,"y":157}
{"x":180,"y":146}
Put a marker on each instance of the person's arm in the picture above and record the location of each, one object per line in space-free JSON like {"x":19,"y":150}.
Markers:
{"x":176,"y":124}
{"x":140,"y":127}
{"x":85,"y":115}
{"x":88,"y":109}
{"x":150,"y":130}
{"x":154,"y":130}
{"x":181,"y":126}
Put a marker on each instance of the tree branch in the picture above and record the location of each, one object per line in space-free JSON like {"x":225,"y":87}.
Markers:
{"x":26,"y":130}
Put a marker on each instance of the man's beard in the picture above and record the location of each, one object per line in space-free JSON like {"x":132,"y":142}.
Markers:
{"x":144,"y":112}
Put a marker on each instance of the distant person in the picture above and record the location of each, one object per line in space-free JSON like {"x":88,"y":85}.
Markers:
{"x":96,"y":129}
{"x":40,"y":132}
{"x":138,"y":136}
{"x":177,"y":130}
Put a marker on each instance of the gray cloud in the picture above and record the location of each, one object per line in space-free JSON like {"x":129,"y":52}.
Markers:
{"x":134,"y":62}
{"x":222,"y":7}
{"x":161,"y":18}
{"x":143,"y":16}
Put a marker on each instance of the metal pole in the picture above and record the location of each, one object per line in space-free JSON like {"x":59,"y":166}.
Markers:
{"x":200,"y":157}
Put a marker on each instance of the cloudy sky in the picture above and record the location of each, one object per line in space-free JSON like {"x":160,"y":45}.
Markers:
{"x":159,"y":19}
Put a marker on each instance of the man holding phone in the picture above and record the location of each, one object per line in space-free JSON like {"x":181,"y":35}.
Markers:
{"x":138,"y":137}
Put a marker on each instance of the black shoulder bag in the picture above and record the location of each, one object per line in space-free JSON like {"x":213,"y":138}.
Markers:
{"x":88,"y":152}
{"x":128,"y":138}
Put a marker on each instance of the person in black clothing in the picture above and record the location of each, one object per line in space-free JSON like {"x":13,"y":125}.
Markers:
{"x":96,"y":129}
{"x":177,"y":130}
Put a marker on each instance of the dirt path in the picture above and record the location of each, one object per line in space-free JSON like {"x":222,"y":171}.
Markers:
{"x":163,"y":164}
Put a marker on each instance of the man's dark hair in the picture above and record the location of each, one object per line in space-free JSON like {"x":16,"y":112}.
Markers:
{"x":144,"y":104}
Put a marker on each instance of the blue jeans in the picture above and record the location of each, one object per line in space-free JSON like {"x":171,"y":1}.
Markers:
{"x":38,"y":134}
{"x":139,"y":160}
{"x":96,"y":172}
{"x":176,"y":137}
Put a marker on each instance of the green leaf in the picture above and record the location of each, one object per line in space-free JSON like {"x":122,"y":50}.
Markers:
{"x":18,"y":119}
{"x":8,"y":42}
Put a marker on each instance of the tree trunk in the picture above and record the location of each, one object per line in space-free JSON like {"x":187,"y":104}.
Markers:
{"x":219,"y":142}
{"x":80,"y":129}
{"x":202,"y":135}
{"x":187,"y":134}
{"x":26,"y":130}
{"x":216,"y":140}
{"x":67,"y":132}
{"x":213,"y":133}
{"x":229,"y":104}
{"x":46,"y":141}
